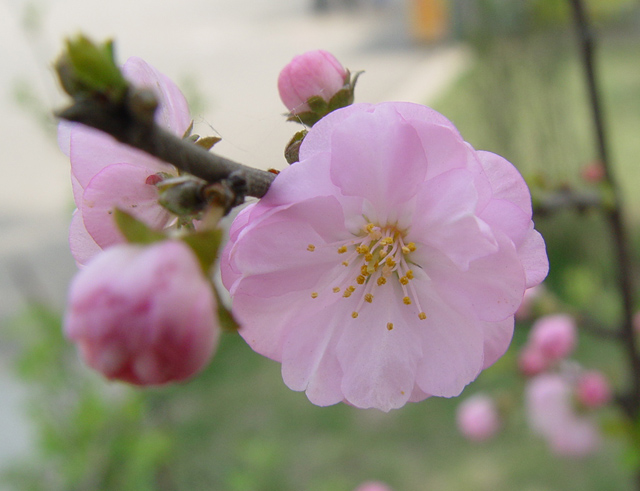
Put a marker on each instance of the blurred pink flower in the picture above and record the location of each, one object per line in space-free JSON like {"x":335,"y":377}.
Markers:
{"x":593,"y":389}
{"x":551,"y":414}
{"x":477,"y":417}
{"x":532,"y":361}
{"x":385,"y":266}
{"x":106,"y":174}
{"x":555,"y":336}
{"x":373,"y":486}
{"x":314,"y":73}
{"x":143,"y":315}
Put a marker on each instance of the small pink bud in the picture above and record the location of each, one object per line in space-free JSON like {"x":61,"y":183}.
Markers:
{"x":593,"y":389}
{"x":478,"y":418}
{"x":143,"y":315}
{"x":554,"y":335}
{"x":593,"y":172}
{"x":314,"y":73}
{"x":531,"y":361}
{"x":373,"y":486}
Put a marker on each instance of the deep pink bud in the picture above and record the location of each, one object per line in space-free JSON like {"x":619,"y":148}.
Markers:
{"x":314,"y":73}
{"x":143,"y":315}
{"x":593,"y":389}
{"x":554,"y":335}
{"x":478,"y":418}
{"x":531,"y":361}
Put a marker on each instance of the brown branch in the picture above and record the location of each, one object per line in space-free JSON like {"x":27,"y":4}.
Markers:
{"x":131,"y":122}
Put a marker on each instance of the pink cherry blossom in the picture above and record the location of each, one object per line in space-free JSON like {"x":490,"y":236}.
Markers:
{"x":593,"y":389}
{"x":106,"y":174}
{"x":477,"y":418}
{"x":385,"y":266}
{"x":552,"y":415}
{"x":314,"y":73}
{"x":143,"y":315}
{"x":373,"y":486}
{"x":554,"y":336}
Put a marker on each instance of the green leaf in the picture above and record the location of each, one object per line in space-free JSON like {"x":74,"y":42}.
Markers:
{"x":205,"y":246}
{"x":317,"y":104}
{"x":95,"y":68}
{"x":134,"y":230}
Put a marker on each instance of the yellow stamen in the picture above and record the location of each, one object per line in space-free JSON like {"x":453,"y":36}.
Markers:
{"x":364,"y":270}
{"x":368,"y":256}
{"x":406,"y":300}
{"x":389,"y":326}
{"x":404,"y":280}
{"x":422,"y":316}
{"x":409,"y":274}
{"x":342,"y":249}
{"x":346,"y":294}
{"x":354,"y":315}
{"x":386,"y":241}
{"x":411,"y":246}
{"x":311,"y":248}
{"x":362,"y":249}
{"x":381,"y":281}
{"x":368,"y":298}
{"x":314,"y":295}
{"x":336,"y":289}
{"x":345,"y":263}
{"x":390,"y":262}
{"x":360,"y":279}
{"x":351,"y":288}
{"x":405,"y":250}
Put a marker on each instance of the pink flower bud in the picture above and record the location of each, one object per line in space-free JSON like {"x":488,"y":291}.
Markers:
{"x":373,"y":486}
{"x":593,"y":172}
{"x":593,"y":389}
{"x":478,"y":418}
{"x":532,"y":361}
{"x":143,"y":315}
{"x":314,"y":73}
{"x":554,"y":335}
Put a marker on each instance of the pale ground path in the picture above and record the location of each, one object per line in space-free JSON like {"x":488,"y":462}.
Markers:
{"x":232,"y":50}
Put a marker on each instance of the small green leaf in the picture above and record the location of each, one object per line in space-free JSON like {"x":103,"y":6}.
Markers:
{"x":207,"y":142}
{"x":205,"y":246}
{"x":225,"y":317}
{"x":94,"y":67}
{"x":308,"y":118}
{"x":134,"y":230}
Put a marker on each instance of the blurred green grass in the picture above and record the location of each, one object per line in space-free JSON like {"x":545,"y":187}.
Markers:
{"x":238,"y":428}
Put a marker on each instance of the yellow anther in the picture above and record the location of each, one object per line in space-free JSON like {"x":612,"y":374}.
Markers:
{"x":390,"y":262}
{"x":362,"y":249}
{"x":369,"y":227}
{"x":314,"y":295}
{"x":354,"y":315}
{"x":389,"y":326}
{"x":386,"y":241}
{"x":409,"y":274}
{"x":404,"y":280}
{"x":368,"y":256}
{"x":406,"y":300}
{"x":364,"y":270}
{"x":422,"y":316}
{"x":346,"y":294}
{"x":368,"y":298}
{"x":311,"y":248}
{"x":351,"y":288}
{"x":342,"y":249}
{"x":336,"y":289}
{"x":345,"y":263}
{"x":411,"y":246}
{"x":405,"y":250}
{"x":381,"y":281}
{"x":360,"y":279}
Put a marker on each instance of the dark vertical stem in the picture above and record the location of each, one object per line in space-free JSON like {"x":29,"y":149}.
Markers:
{"x":631,"y":400}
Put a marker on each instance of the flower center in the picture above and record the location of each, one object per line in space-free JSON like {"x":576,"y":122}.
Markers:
{"x":374,"y":260}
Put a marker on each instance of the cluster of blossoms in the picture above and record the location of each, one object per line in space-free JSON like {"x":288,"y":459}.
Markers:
{"x":560,"y":395}
{"x":385,"y":267}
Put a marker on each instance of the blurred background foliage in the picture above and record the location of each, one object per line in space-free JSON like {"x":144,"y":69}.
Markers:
{"x":238,"y":428}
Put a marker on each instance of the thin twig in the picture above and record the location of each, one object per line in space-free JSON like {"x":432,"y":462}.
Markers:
{"x":614,"y":214}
